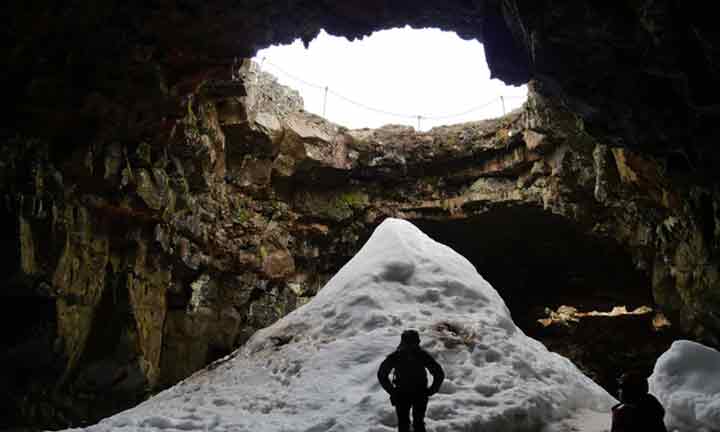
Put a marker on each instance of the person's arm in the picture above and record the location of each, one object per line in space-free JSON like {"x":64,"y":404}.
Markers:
{"x":655,"y":412}
{"x":437,"y":373}
{"x":621,"y":419}
{"x":384,"y":374}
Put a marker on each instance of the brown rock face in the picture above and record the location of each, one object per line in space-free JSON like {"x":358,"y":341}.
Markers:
{"x":641,"y":74}
{"x":159,"y":207}
{"x":185,"y":250}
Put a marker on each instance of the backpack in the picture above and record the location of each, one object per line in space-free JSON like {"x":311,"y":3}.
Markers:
{"x":409,"y":374}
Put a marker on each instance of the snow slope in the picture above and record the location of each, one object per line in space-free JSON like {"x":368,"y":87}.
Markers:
{"x":686,"y":380}
{"x":315,"y":370}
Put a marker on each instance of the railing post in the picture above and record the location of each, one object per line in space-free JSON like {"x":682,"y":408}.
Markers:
{"x":259,"y":70}
{"x":325,"y":101}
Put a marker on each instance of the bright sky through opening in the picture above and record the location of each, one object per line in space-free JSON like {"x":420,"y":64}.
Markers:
{"x":392,"y":77}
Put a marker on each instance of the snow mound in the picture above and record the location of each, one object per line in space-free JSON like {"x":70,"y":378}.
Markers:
{"x":315,"y":370}
{"x":686,"y":380}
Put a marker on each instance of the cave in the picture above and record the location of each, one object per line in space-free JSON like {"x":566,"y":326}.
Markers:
{"x":136,"y":111}
{"x":540,"y":262}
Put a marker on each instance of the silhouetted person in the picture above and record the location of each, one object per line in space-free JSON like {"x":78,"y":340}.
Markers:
{"x":409,"y":386}
{"x":638,"y":410}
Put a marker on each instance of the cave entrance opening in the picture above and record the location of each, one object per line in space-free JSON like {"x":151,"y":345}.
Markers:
{"x":570,"y":290}
{"x":416,"y":77}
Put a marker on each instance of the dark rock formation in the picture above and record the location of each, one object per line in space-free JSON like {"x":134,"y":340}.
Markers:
{"x":641,"y":73}
{"x":604,"y":346}
{"x":139,"y":264}
{"x":158,"y":208}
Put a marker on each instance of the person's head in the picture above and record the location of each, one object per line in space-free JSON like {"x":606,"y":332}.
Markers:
{"x":632,"y":386}
{"x":410,"y":338}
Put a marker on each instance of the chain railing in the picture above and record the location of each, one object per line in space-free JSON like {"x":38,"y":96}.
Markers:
{"x":417,"y":120}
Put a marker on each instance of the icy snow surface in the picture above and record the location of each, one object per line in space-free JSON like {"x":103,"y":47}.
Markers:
{"x":686,"y":380}
{"x":315,"y":370}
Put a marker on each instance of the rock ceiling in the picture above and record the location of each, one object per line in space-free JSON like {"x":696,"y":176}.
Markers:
{"x":143,"y":188}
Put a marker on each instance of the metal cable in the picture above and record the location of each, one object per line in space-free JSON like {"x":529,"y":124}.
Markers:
{"x":369,"y":108}
{"x":382,"y":111}
{"x":471,"y":110}
{"x":297,"y":78}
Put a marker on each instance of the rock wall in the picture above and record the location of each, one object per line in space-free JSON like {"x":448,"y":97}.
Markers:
{"x":142,"y":189}
{"x":641,"y":74}
{"x":152,"y":257}
{"x":145,"y":258}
